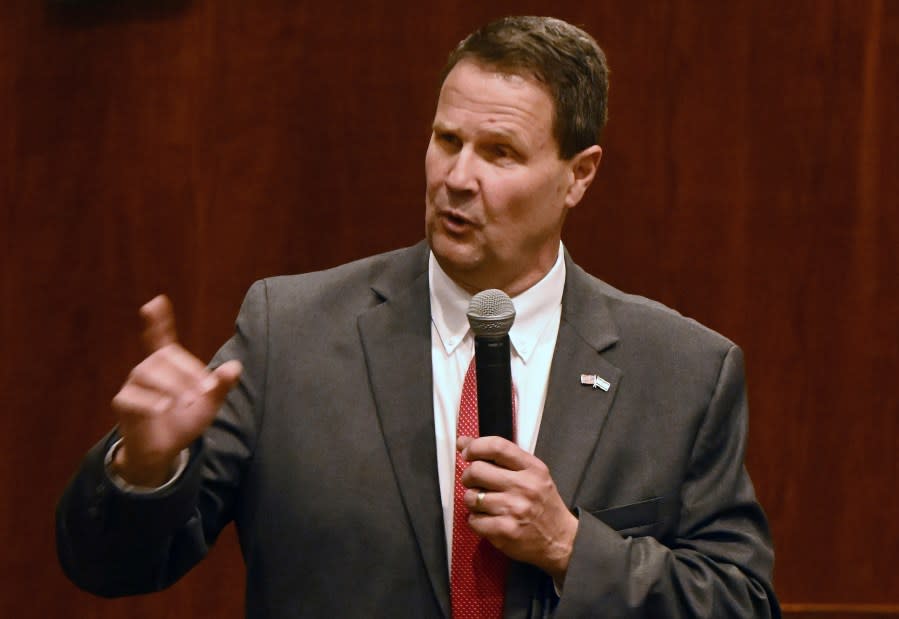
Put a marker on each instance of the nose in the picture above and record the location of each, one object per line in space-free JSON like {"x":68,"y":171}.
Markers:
{"x":461,"y":176}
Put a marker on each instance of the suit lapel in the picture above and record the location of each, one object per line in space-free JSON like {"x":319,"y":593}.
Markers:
{"x":574,"y":414}
{"x":396,"y":338}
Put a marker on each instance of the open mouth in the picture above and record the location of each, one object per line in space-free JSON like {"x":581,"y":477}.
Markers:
{"x":456,"y":219}
{"x":456,"y":224}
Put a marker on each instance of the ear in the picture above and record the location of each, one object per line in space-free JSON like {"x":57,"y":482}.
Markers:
{"x":582,"y":169}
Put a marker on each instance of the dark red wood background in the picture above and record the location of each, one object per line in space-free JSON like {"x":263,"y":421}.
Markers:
{"x":750,"y":180}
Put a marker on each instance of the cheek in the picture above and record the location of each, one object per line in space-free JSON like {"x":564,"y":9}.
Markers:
{"x":432,"y":166}
{"x":515,"y":200}
{"x":546,"y":195}
{"x":523,"y":211}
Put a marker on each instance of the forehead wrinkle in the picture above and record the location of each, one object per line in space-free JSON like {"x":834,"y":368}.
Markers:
{"x":479,"y":103}
{"x":482,"y":103}
{"x":513,"y":130}
{"x":504,"y":120}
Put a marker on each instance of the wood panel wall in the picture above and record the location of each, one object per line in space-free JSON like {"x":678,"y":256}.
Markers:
{"x":749,"y":180}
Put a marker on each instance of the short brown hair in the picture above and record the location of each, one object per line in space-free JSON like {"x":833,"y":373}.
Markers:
{"x":567,"y":60}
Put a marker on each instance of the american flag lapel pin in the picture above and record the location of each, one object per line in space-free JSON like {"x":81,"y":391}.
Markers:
{"x":598,"y":382}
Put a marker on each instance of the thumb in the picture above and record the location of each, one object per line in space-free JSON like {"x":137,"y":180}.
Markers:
{"x":462,"y":442}
{"x":159,"y":323}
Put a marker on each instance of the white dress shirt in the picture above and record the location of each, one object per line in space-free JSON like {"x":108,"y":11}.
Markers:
{"x":538,"y":311}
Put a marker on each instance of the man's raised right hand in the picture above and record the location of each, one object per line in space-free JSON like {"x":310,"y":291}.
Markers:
{"x":168,"y":400}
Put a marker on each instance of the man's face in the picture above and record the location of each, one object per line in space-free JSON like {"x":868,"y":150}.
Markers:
{"x":497,"y":190}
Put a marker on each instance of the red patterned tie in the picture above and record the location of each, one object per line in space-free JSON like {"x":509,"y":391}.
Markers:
{"x":478,"y":569}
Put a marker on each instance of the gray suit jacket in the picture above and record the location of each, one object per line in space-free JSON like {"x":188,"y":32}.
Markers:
{"x":324,"y":457}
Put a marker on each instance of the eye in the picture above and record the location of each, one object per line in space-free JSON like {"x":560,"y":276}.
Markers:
{"x":502,"y":151}
{"x":448,"y":140}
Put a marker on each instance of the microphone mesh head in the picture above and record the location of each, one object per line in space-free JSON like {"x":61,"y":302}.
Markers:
{"x":491,"y":313}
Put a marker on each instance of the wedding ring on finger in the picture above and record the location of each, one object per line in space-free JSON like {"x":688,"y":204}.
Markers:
{"x":479,"y":500}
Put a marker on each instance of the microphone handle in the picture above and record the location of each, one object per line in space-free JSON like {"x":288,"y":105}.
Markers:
{"x":494,"y":374}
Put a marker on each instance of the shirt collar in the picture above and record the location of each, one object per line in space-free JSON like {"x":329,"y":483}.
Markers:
{"x":533,"y":308}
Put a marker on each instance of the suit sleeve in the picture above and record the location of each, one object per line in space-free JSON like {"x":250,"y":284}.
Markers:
{"x":114,"y":543}
{"x":720,"y":561}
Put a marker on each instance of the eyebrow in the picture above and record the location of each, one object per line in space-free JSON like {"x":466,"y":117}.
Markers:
{"x":506,"y":136}
{"x":489,"y":133}
{"x":438,"y":126}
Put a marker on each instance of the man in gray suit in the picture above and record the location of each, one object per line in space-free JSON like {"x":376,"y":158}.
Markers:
{"x":326,"y":427}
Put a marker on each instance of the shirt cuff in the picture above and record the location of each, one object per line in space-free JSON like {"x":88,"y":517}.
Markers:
{"x":124,"y":486}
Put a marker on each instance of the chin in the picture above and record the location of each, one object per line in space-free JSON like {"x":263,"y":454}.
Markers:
{"x":453,"y":256}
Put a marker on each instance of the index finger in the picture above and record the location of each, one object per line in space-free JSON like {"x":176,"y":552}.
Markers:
{"x":497,"y":450}
{"x":159,"y":323}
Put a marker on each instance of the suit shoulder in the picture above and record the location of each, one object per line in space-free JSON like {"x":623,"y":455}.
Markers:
{"x":641,"y":320}
{"x":657,"y":319}
{"x":345,"y":285}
